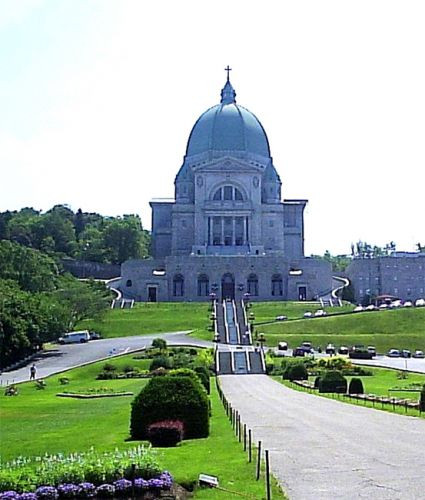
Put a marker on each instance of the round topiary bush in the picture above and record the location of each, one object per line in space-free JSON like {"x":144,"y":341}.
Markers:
{"x":160,"y":362}
{"x":295,"y":371}
{"x":356,"y":386}
{"x":333,"y":381}
{"x":171,"y":398}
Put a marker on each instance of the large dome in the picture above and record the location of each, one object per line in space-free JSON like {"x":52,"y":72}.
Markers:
{"x":228,"y":127}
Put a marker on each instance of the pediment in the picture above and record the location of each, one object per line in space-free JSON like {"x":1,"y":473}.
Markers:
{"x":229,"y":164}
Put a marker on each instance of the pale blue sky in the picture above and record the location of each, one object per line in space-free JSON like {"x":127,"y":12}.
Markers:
{"x":97,"y":99}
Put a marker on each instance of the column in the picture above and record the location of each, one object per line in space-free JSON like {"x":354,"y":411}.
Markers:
{"x":222,"y":230}
{"x":244,"y":232}
{"x":210,"y":227}
{"x":233,"y":231}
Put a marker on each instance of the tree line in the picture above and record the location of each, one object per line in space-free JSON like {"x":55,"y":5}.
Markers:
{"x":60,"y":232}
{"x":38,"y":302}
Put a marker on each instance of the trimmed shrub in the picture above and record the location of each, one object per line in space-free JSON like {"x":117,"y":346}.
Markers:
{"x":166,"y":433}
{"x":188,"y":372}
{"x":109,"y":367}
{"x":295,"y":371}
{"x":204,"y":375}
{"x":160,"y":362}
{"x":422,"y":399}
{"x":333,"y":381}
{"x":356,"y":386}
{"x":171,"y":398}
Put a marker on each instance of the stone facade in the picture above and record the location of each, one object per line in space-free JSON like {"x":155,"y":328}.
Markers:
{"x":401,"y":275}
{"x":227,"y":230}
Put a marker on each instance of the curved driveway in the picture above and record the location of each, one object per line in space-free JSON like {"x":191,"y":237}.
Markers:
{"x":64,"y":357}
{"x":325,"y":449}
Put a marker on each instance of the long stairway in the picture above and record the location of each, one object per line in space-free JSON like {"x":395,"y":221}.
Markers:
{"x":235,"y":353}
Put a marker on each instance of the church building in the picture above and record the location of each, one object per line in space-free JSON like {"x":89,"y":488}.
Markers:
{"x":227,"y":231}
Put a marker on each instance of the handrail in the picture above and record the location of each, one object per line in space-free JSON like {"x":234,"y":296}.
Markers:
{"x":235,"y":319}
{"x":248,"y":362}
{"x":263,"y":361}
{"x":232,"y":361}
{"x":217,"y":361}
{"x":216,"y":336}
{"x":345,"y":283}
{"x":226,"y":326}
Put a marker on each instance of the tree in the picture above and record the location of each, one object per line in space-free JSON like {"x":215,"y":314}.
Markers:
{"x":160,"y":344}
{"x":31,"y":269}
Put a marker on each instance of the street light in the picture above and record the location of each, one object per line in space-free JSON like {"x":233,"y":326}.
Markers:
{"x":261,"y":340}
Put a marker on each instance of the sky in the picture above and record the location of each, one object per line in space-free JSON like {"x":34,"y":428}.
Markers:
{"x":98,"y":97}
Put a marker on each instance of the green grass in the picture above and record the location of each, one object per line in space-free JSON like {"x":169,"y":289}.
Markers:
{"x":37,"y":422}
{"x":379,"y":384}
{"x":147,"y":318}
{"x":404,"y":329}
{"x":267,"y":311}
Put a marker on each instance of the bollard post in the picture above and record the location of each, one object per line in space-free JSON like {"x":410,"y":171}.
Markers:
{"x":240,"y":429}
{"x":244,"y":437}
{"x":258,"y":461}
{"x":268,"y":491}
{"x":249,"y":446}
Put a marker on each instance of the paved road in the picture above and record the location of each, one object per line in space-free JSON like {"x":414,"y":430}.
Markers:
{"x":68,"y":356}
{"x":324,"y":449}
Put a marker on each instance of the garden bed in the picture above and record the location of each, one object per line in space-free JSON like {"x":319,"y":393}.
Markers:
{"x":92,"y":395}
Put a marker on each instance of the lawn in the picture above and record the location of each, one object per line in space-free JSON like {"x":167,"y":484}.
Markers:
{"x":379,"y":384}
{"x":403,"y":328}
{"x":267,"y":311}
{"x":148,"y":317}
{"x":37,"y":422}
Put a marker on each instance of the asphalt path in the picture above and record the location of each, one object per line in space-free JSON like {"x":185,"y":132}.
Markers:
{"x":325,"y":449}
{"x":64,"y":357}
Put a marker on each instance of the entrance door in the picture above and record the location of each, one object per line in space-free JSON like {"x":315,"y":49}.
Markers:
{"x":228,"y":287}
{"x":302,"y":293}
{"x":151,"y":293}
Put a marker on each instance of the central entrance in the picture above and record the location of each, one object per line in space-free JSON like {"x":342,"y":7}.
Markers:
{"x":227,"y":287}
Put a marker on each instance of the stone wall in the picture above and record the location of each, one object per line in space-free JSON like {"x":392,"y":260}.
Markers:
{"x":86,"y":269}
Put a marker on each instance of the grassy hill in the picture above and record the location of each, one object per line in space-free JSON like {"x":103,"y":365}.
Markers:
{"x":402,"y":328}
{"x":148,"y":317}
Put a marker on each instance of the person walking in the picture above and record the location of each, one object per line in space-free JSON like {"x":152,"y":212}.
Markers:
{"x":33,"y":371}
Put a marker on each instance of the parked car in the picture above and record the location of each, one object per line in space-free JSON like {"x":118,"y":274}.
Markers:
{"x":395,"y":304}
{"x":319,"y":313}
{"x":359,"y":351}
{"x":371,"y":349}
{"x":420,"y":303}
{"x":95,"y":336}
{"x":281,"y":318}
{"x":358,"y":309}
{"x":343,"y":350}
{"x":405,"y":353}
{"x":371,"y":307}
{"x":298,"y":351}
{"x":75,"y":337}
{"x":408,"y":303}
{"x":383,"y":307}
{"x":282,"y":346}
{"x":308,"y":314}
{"x":419,"y":355}
{"x":330,"y":349}
{"x":393,"y":353}
{"x":308,"y":348}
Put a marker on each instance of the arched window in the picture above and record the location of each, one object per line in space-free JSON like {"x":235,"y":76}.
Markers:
{"x":277,"y":285}
{"x":228,"y":193}
{"x":252,"y":285}
{"x":203,"y":285}
{"x":129,"y":283}
{"x":178,"y":285}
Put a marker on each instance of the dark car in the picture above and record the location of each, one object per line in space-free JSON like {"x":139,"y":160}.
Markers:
{"x":330,"y":349}
{"x":298,"y":351}
{"x":343,"y":350}
{"x":405,"y":353}
{"x":95,"y":336}
{"x":360,"y":352}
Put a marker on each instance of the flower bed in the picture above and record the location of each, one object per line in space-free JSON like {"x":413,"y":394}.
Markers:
{"x":28,"y":475}
{"x":122,"y":488}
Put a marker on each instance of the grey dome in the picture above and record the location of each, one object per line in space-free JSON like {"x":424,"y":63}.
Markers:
{"x":228,"y":127}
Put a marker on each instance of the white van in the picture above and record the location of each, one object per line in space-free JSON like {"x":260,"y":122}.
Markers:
{"x":75,"y":337}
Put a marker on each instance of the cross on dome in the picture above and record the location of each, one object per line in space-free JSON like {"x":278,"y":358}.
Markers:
{"x":228,"y":69}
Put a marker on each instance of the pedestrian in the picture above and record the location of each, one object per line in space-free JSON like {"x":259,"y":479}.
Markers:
{"x":33,"y":371}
